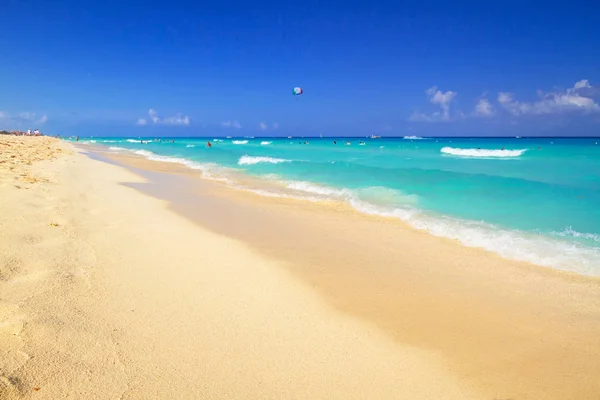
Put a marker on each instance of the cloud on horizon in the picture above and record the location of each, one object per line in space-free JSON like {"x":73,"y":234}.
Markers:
{"x":178,"y":119}
{"x":231,"y":124}
{"x":578,"y":98}
{"x":484,"y":108}
{"x":22,"y":118}
{"x":442,"y":99}
{"x":263,"y":126}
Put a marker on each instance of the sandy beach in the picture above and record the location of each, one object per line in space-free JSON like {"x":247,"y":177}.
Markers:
{"x":139,"y":280}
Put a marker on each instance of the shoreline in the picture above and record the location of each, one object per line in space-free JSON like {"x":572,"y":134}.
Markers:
{"x":106,"y":293}
{"x":505,"y":306}
{"x":135,"y":279}
{"x":553,"y":249}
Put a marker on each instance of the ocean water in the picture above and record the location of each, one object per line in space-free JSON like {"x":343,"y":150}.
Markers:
{"x":535,"y":200}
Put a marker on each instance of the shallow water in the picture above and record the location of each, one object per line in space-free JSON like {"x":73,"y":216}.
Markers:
{"x":535,"y":200}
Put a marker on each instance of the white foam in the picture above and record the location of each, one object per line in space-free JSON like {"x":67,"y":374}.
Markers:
{"x":114,"y":148}
{"x":310,"y":187}
{"x":266,"y":193}
{"x":413,"y":138}
{"x":570,"y":232}
{"x":264,"y":143}
{"x":249,"y":160}
{"x":510,"y":244}
{"x":482,"y":152}
{"x":209,"y":170}
{"x":191,"y":145}
{"x":217,"y":140}
{"x":239,"y":141}
{"x":133,"y":140}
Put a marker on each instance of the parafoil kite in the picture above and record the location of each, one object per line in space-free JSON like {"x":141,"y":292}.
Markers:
{"x":297,"y":91}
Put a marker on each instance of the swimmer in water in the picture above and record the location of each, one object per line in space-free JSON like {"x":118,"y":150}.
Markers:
{"x":334,"y":142}
{"x":208,"y":144}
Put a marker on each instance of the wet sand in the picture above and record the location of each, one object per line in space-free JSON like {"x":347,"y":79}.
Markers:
{"x":514,"y":330}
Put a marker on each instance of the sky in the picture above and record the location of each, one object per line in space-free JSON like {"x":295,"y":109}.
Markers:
{"x":228,"y":68}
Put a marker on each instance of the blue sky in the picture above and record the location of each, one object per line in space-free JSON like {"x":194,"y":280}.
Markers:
{"x":229,"y":67}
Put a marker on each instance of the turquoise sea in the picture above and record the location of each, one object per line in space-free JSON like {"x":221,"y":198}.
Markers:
{"x":535,"y":200}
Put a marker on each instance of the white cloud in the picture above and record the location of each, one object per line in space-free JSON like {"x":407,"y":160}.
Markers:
{"x":263,"y":126}
{"x":577,"y":98}
{"x":231,"y":124}
{"x":23,"y":117}
{"x":178,"y":119}
{"x":582,"y":84}
{"x":27,"y":116}
{"x":439,"y":98}
{"x":153,"y":116}
{"x":484,"y":108}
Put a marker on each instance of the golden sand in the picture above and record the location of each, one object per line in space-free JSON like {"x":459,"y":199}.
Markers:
{"x":107,"y":293}
{"x":516,"y":330}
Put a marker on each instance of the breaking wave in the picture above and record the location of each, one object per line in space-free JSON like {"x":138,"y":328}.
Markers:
{"x":482,"y":152}
{"x":249,"y":160}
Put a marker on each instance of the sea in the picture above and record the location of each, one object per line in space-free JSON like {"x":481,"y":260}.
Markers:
{"x":528,"y":199}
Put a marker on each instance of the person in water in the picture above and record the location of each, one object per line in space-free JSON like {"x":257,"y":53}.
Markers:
{"x":208,"y":144}
{"x":334,"y":142}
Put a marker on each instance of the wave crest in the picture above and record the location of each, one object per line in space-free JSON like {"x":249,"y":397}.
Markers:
{"x":482,"y":152}
{"x":249,"y":160}
{"x":239,"y":141}
{"x":413,"y":138}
